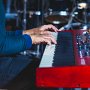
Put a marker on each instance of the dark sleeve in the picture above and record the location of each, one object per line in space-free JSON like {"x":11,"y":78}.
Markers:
{"x":13,"y":44}
{"x":14,"y":33}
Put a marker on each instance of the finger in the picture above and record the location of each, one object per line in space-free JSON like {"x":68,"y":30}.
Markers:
{"x":46,"y":33}
{"x":53,"y":28}
{"x":45,"y":41}
{"x":51,"y":39}
{"x":50,"y":26}
{"x":61,"y":29}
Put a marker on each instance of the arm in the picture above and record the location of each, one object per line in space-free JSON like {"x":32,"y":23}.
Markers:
{"x":11,"y":44}
{"x":42,"y":34}
{"x":14,"y":33}
{"x":14,"y":44}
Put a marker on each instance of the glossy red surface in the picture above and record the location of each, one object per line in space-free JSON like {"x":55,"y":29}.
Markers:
{"x":68,"y":76}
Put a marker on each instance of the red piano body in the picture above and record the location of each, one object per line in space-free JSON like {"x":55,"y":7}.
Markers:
{"x":76,"y":76}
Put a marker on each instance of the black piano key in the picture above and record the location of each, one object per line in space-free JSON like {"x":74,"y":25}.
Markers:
{"x":64,"y":53}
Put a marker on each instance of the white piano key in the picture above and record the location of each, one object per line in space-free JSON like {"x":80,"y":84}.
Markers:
{"x":48,"y":55}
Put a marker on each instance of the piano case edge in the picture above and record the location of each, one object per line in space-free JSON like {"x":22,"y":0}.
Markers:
{"x":63,"y":77}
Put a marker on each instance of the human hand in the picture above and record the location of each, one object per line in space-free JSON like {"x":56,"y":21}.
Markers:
{"x":43,"y":39}
{"x":41,"y":30}
{"x":42,"y":34}
{"x":49,"y":27}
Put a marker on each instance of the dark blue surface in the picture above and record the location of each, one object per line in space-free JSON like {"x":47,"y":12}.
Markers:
{"x":10,"y":67}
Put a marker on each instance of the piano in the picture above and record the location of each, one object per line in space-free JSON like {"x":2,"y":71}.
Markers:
{"x":66,"y":64}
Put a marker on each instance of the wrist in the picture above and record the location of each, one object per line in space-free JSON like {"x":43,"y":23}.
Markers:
{"x":28,"y":41}
{"x":29,"y":32}
{"x":25,"y":32}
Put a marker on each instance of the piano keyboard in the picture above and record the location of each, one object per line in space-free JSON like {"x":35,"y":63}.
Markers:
{"x":48,"y":55}
{"x":52,"y":71}
{"x":61,"y":54}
